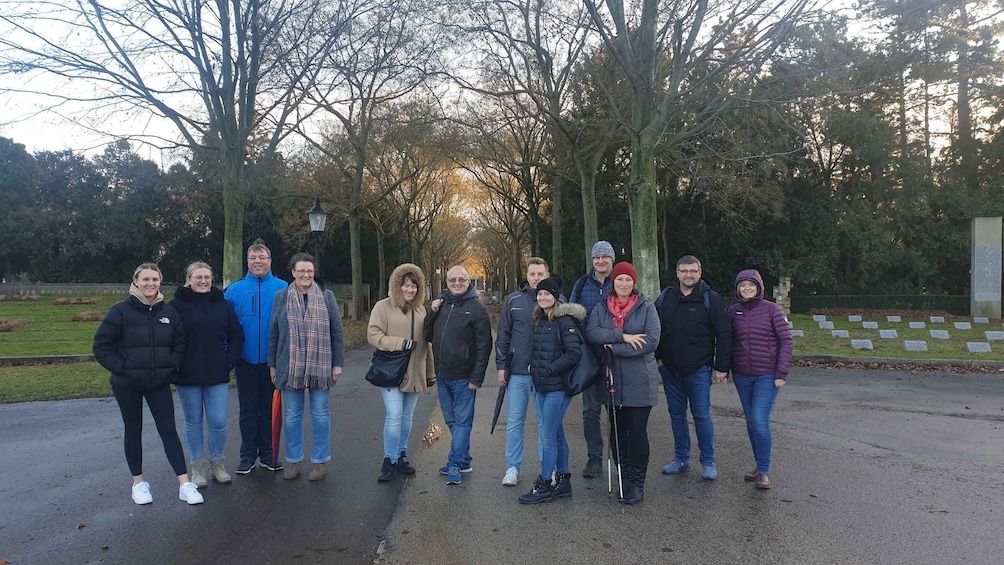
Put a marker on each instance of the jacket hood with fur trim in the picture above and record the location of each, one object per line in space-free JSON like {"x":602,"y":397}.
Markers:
{"x":397,"y":278}
{"x":576,"y":311}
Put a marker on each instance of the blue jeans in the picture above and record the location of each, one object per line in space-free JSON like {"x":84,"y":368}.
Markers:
{"x":519,"y":391}
{"x":214,"y":398}
{"x":757,"y":395}
{"x":694,"y":389}
{"x":552,"y":406}
{"x":320,"y":425}
{"x":456,"y":400}
{"x":400,"y":407}
{"x":254,"y":392}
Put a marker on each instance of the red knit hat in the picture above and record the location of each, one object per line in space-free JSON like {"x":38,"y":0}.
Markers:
{"x":624,"y":268}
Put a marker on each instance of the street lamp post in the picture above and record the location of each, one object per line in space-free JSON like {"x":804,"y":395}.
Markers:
{"x":318,"y":218}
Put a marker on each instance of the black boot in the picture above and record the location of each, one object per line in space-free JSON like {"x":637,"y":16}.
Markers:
{"x":563,"y":485}
{"x":403,"y":466}
{"x":387,"y":470}
{"x":542,"y":491}
{"x":636,"y":492}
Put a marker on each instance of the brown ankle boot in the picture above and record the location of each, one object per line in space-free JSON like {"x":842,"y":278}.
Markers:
{"x":751,"y":476}
{"x":763,"y":481}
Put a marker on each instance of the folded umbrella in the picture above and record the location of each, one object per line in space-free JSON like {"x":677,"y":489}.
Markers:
{"x":498,"y":408}
{"x":276,"y":425}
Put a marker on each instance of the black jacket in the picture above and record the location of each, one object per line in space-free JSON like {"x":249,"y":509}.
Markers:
{"x":213,"y":337}
{"x":142,"y":346}
{"x":693,"y":335}
{"x":557,"y":347}
{"x":461,"y":337}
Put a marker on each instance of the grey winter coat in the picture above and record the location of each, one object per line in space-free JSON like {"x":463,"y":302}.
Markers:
{"x":278,"y":338}
{"x":636,"y":376}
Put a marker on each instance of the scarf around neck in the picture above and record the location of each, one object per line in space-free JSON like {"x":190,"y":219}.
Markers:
{"x":309,"y":339}
{"x":134,"y":291}
{"x":620,"y":308}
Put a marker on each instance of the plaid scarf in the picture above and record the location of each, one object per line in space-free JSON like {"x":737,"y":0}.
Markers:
{"x":309,"y":339}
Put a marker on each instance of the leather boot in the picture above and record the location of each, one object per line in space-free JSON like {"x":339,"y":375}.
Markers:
{"x":639,"y":469}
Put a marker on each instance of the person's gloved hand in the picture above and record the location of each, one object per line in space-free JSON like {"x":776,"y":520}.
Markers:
{"x":409,"y":344}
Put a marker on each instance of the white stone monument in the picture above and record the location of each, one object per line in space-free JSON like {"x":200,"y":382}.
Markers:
{"x":985,"y":272}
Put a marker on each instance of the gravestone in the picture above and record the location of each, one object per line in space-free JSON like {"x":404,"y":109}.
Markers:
{"x":915,"y":345}
{"x":917,"y":325}
{"x":890,"y":334}
{"x":963,"y":326}
{"x":937,"y":319}
{"x":861,"y":344}
{"x":893,"y":319}
{"x":790,"y":325}
{"x":840,"y":333}
{"x":981,"y":320}
{"x":994,"y":336}
{"x":985,"y":269}
{"x":800,"y":333}
{"x":869,"y":325}
{"x":939,"y":334}
{"x":782,"y":294}
{"x":818,"y":318}
{"x":853,"y":318}
{"x":826,"y":325}
{"x":978,"y":347}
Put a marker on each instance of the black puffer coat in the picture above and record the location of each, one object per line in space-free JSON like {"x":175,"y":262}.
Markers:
{"x":557,"y":347}
{"x":142,"y":346}
{"x":213,"y":337}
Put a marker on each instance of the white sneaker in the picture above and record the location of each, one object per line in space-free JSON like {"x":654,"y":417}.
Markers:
{"x":141,"y":493}
{"x":190,"y":494}
{"x":511,"y":477}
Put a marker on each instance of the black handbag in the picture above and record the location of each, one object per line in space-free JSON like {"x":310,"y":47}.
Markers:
{"x":587,"y":372}
{"x":387,"y":368}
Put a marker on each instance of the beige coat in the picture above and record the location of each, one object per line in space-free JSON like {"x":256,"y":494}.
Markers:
{"x":388,"y":328}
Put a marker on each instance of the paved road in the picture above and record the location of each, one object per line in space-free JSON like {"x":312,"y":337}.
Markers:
{"x":61,"y":465}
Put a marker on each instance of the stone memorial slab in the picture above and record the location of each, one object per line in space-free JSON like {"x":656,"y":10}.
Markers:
{"x":978,"y":347}
{"x":853,"y":318}
{"x":890,"y":334}
{"x":915,"y":345}
{"x":826,"y":325}
{"x":985,"y":267}
{"x":963,"y":326}
{"x":917,"y":325}
{"x":840,"y":333}
{"x":800,"y":333}
{"x":937,"y":319}
{"x":869,"y":325}
{"x":861,"y":344}
{"x":818,"y":318}
{"x":790,"y":325}
{"x":939,"y":334}
{"x":994,"y":336}
{"x":893,"y":319}
{"x":981,"y":320}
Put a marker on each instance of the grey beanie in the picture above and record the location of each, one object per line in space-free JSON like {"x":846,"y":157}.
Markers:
{"x":603,"y":249}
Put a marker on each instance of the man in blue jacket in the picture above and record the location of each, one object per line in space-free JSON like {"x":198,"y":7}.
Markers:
{"x":589,"y":290}
{"x":252,"y":299}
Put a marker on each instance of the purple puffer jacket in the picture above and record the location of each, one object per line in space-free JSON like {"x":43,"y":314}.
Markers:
{"x":761,"y":340}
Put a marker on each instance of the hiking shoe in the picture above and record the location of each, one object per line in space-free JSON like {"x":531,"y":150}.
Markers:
{"x":763,"y":481}
{"x":198,"y":475}
{"x":190,"y":494}
{"x":466,"y":468}
{"x":751,"y":476}
{"x":453,"y":475}
{"x":542,"y":491}
{"x":676,"y":466}
{"x":319,"y":471}
{"x":292,"y":471}
{"x":270,"y":464}
{"x":141,"y":493}
{"x":709,"y":473}
{"x":594,"y":468}
{"x":511,"y":477}
{"x":562,"y":485}
{"x":387,"y":471}
{"x":403,"y":466}
{"x":219,"y":471}
{"x":245,"y":467}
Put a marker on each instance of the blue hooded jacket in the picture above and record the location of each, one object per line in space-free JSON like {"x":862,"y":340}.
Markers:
{"x":252,"y":299}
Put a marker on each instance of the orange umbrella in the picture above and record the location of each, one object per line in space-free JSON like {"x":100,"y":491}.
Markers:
{"x":276,"y":425}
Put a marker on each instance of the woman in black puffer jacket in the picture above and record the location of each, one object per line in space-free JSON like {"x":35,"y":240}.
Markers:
{"x":557,"y":348}
{"x":142,"y":342}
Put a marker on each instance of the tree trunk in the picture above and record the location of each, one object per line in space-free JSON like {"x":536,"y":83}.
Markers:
{"x":590,"y":227}
{"x":355,"y":312}
{"x":644,"y":216}
{"x":234,"y":202}
{"x":382,"y":264}
{"x":556,"y":228}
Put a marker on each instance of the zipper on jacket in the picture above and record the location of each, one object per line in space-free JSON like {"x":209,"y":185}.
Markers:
{"x":149,"y":325}
{"x":442,"y":335}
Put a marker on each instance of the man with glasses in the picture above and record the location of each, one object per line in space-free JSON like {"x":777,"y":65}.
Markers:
{"x":461,"y":338}
{"x":694,"y":350}
{"x":252,"y":299}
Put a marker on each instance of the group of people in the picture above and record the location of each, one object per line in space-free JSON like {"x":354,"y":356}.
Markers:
{"x":288,"y":338}
{"x":273,"y":335}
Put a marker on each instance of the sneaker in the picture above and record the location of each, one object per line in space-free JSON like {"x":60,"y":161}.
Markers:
{"x":445,"y":469}
{"x":292,"y":471}
{"x":562,"y":485}
{"x":270,"y":465}
{"x":198,"y":475}
{"x":403,"y":466}
{"x":190,"y":494}
{"x":319,"y":471}
{"x":676,"y":466}
{"x":141,"y":493}
{"x":710,"y":473}
{"x":542,"y":491}
{"x":387,"y":471}
{"x":219,"y":471}
{"x":594,"y":468}
{"x":245,"y":467}
{"x":453,"y":475}
{"x":511,"y":477}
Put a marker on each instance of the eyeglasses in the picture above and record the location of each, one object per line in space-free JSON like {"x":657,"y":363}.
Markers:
{"x":209,"y":278}
{"x":455,"y":280}
{"x":688,"y":271}
{"x":259,"y":258}
{"x":304,"y":272}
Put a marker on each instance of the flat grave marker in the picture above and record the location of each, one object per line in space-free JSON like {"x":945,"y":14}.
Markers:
{"x":869,"y":325}
{"x":853,"y":318}
{"x":800,"y":333}
{"x":978,"y":347}
{"x":994,"y":336}
{"x":915,"y":345}
{"x":826,"y":325}
{"x":861,"y":344}
{"x":790,"y":325}
{"x":937,"y":319}
{"x":939,"y":334}
{"x":981,"y":320}
{"x":963,"y":326}
{"x":893,"y":319}
{"x":892,"y":334}
{"x":917,"y":325}
{"x":818,"y":318}
{"x":840,"y":333}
